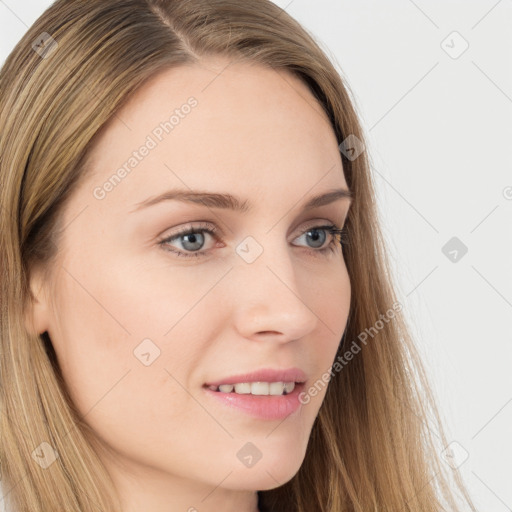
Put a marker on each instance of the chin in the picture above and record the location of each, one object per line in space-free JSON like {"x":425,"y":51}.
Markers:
{"x":263,"y":477}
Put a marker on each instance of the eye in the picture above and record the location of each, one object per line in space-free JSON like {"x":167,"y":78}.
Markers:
{"x":192,"y":239}
{"x":338,"y":237}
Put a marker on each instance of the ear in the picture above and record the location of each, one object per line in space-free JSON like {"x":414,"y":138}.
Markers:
{"x":37,"y":308}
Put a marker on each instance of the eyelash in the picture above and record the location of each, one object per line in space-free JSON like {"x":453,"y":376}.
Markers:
{"x":330,"y":228}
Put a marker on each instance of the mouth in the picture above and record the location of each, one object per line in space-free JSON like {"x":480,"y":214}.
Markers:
{"x":257,"y":388}
{"x":259,"y":403}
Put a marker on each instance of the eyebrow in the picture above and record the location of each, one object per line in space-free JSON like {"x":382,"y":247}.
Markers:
{"x":230,"y":202}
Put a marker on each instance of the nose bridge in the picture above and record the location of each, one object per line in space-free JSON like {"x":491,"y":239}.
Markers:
{"x":268,"y":296}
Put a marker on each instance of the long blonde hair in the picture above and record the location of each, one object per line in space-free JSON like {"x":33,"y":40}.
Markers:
{"x":372,"y":446}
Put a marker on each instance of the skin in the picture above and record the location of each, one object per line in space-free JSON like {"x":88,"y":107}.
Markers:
{"x":259,"y":135}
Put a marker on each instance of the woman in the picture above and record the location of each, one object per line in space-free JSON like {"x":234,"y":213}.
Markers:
{"x":197,"y":309}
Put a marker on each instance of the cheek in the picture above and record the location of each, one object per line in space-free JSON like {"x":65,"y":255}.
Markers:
{"x":126,"y":335}
{"x":331,"y":303}
{"x":328,"y":296}
{"x":113,"y":334}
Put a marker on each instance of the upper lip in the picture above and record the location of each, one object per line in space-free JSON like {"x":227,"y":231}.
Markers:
{"x":263,"y":375}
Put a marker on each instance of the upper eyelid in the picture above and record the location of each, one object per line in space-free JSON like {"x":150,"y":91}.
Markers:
{"x":216,"y":231}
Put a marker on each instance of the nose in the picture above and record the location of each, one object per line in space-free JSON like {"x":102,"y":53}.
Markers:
{"x":270,"y":300}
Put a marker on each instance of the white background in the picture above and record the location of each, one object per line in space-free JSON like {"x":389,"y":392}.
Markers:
{"x":439,"y":134}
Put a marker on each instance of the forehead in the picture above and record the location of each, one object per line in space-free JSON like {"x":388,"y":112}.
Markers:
{"x":222,"y":123}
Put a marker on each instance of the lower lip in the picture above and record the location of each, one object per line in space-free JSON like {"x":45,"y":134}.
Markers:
{"x":266,"y":407}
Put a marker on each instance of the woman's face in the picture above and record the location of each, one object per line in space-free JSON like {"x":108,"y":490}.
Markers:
{"x":140,"y":330}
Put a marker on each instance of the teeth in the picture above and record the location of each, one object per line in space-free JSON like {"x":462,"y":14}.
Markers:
{"x":289,"y":387}
{"x":243,"y":389}
{"x":257,"y":388}
{"x":275,"y":388}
